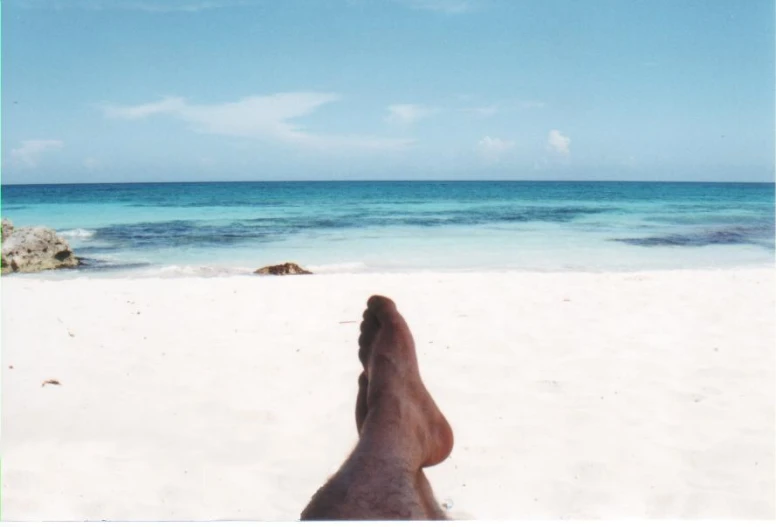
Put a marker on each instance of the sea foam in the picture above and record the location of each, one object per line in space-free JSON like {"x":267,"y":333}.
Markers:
{"x":77,"y":234}
{"x":344,"y":267}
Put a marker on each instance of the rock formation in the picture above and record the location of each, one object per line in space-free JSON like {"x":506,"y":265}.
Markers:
{"x":7,"y":228}
{"x":282,"y":269}
{"x":31,"y":249}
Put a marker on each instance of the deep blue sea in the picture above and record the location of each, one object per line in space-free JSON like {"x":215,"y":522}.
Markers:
{"x":171,"y":229}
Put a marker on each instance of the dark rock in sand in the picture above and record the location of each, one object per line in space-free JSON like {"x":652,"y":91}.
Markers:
{"x":32,"y":249}
{"x":282,"y":269}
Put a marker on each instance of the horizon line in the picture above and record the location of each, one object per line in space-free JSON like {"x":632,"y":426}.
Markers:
{"x":390,"y":181}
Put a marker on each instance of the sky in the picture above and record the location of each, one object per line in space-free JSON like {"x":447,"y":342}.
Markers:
{"x":210,"y":90}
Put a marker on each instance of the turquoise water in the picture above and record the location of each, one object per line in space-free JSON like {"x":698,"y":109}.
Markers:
{"x":225,"y":228}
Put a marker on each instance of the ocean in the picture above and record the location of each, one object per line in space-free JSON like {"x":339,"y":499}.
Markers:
{"x":216,"y":229}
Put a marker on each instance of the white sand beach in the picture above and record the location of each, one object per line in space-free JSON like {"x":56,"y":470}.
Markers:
{"x":572,"y":395}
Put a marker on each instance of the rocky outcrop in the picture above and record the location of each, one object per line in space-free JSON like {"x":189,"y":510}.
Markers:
{"x":282,"y":269}
{"x":32,"y":249}
{"x":7,"y":228}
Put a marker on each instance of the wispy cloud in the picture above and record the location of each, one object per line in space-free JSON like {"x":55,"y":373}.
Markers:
{"x":30,"y":151}
{"x":407,"y":114}
{"x":483,"y":111}
{"x":268,"y":117}
{"x":148,"y":6}
{"x":558,"y":143}
{"x":166,"y":105}
{"x":449,"y":7}
{"x":494,"y":148}
{"x":489,"y":110}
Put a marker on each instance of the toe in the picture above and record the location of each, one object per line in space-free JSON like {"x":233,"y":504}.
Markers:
{"x":378,"y":303}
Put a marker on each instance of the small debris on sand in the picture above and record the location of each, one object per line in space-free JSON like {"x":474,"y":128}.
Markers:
{"x":50,"y":381}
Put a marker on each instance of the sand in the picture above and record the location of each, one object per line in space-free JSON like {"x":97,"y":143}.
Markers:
{"x":572,"y":395}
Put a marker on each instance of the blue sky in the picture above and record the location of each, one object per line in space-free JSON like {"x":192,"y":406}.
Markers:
{"x":187,"y":90}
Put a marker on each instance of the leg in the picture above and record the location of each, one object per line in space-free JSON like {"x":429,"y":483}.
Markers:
{"x":401,"y":430}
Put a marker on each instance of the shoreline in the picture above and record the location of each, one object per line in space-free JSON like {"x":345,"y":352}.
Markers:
{"x":225,"y":272}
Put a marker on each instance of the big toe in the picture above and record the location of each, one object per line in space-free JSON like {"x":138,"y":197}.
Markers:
{"x":380,"y":304}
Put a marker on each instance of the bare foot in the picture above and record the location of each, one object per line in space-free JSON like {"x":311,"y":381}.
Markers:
{"x":392,"y":399}
{"x":400,"y":428}
{"x":363,"y":383}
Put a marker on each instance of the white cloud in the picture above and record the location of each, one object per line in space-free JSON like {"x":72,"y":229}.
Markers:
{"x":493,"y":148}
{"x":558,"y":143}
{"x":407,"y":114}
{"x":258,"y":117}
{"x":166,"y":105}
{"x":504,"y":106}
{"x":450,"y":7}
{"x":30,"y":151}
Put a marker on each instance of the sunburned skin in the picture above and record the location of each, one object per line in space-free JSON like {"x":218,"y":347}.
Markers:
{"x":400,"y":429}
